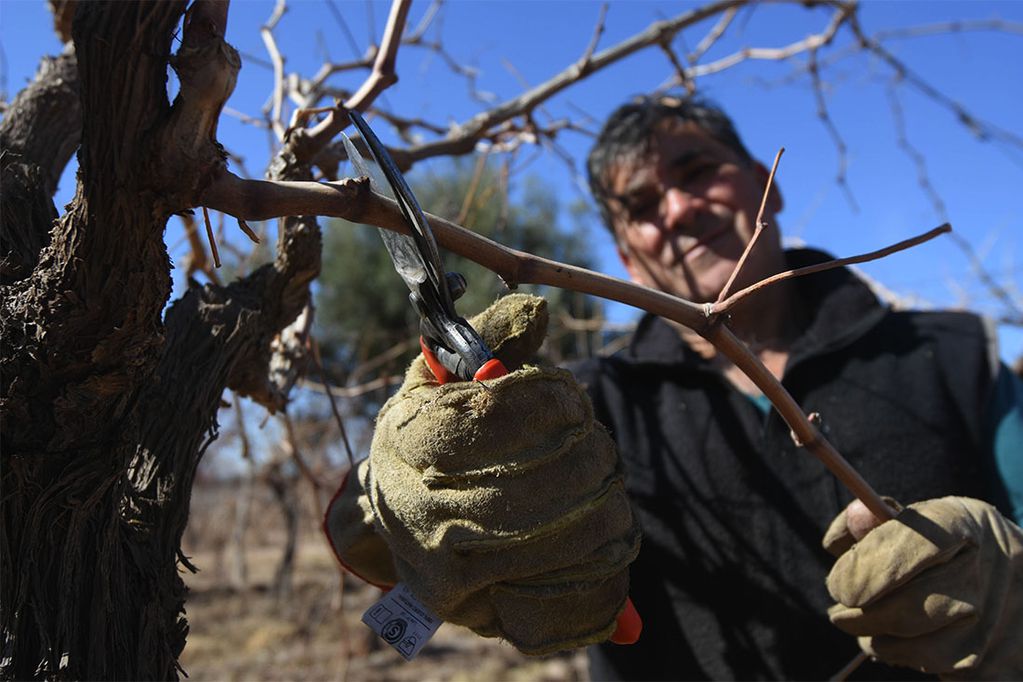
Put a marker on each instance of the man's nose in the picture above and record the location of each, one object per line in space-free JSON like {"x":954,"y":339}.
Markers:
{"x":678,"y":208}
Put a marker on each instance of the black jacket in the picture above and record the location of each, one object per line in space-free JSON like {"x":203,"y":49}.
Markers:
{"x":730,"y":577}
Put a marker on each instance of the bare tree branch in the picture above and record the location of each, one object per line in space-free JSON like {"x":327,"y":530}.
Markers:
{"x":1013,"y":307}
{"x":463,"y":137}
{"x":382,"y":77}
{"x":844,"y":14}
{"x":276,"y":109}
{"x":983,"y":130}
{"x":946,"y":27}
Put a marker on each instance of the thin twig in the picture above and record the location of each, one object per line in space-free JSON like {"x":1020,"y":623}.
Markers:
{"x":333,"y":403}
{"x":829,"y":124}
{"x":352,"y":391}
{"x":849,"y":667}
{"x":300,"y":463}
{"x":243,"y":433}
{"x":371,"y":20}
{"x":922,"y":176}
{"x":424,"y":23}
{"x":248,"y":231}
{"x":245,"y":118}
{"x":221,"y":237}
{"x":732,"y":300}
{"x":212,"y":239}
{"x":594,"y":324}
{"x":713,"y":35}
{"x":844,"y":14}
{"x":189,"y":222}
{"x":997,"y":25}
{"x":584,"y":61}
{"x":196,"y":259}
{"x":579,"y":182}
{"x":615,"y":345}
{"x":404,"y":124}
{"x":470,"y":194}
{"x":381,"y":78}
{"x":1014,"y":308}
{"x":680,"y":71}
{"x":249,"y":58}
{"x":277,"y":98}
{"x":503,"y":189}
{"x":756,"y":231}
{"x":340,"y":19}
{"x":524,"y":84}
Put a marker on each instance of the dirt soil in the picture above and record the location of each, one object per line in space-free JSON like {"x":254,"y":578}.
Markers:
{"x":315,"y":632}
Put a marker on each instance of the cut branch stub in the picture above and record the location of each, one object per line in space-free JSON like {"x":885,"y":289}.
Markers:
{"x":207,"y":69}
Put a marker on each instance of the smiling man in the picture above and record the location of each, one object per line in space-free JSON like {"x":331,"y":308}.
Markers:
{"x":680,"y":194}
{"x":730,"y":579}
{"x":682,"y":205}
{"x":516,"y":508}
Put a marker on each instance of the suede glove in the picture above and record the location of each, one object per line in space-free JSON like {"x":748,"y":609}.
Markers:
{"x":938,"y":589}
{"x":501,"y":505}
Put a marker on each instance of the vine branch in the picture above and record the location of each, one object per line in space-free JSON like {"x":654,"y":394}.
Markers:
{"x":352,"y":200}
{"x":731,"y":301}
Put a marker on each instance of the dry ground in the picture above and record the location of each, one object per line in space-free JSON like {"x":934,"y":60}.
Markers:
{"x":315,"y":633}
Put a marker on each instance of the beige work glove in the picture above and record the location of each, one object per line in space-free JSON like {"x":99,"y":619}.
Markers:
{"x":938,"y":589}
{"x":501,"y":505}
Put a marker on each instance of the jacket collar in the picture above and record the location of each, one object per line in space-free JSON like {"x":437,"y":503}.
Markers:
{"x":841,"y":307}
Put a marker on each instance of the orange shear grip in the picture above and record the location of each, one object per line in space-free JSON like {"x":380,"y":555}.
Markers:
{"x":630,"y":625}
{"x":491,"y":369}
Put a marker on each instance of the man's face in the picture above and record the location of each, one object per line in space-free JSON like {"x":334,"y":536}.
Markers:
{"x":683,"y":214}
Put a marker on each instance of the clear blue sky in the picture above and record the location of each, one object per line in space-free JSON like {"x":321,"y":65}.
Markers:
{"x":980,"y":182}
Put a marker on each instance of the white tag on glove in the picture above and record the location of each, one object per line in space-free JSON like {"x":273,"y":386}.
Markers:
{"x":402,"y":620}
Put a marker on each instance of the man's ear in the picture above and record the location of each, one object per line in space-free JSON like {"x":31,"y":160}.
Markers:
{"x":775,"y":203}
{"x":626,"y":259}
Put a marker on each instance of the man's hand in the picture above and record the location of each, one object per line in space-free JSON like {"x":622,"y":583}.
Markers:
{"x":501,"y":505}
{"x":938,"y":589}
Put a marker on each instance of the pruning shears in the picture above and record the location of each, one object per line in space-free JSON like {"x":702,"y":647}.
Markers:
{"x":452,"y":348}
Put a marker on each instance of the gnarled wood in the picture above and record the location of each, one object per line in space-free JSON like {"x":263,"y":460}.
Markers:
{"x":39,"y":133}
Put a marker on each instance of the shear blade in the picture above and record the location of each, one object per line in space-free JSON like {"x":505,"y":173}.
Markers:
{"x":402,"y":248}
{"x":425,"y":246}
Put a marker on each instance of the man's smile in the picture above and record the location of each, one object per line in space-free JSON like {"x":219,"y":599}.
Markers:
{"x":705,"y":240}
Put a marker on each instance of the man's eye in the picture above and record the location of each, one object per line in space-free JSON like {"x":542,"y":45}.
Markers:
{"x":642,"y":207}
{"x":699,"y":172}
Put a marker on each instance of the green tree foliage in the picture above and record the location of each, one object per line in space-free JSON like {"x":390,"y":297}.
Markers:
{"x":362,"y":303}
